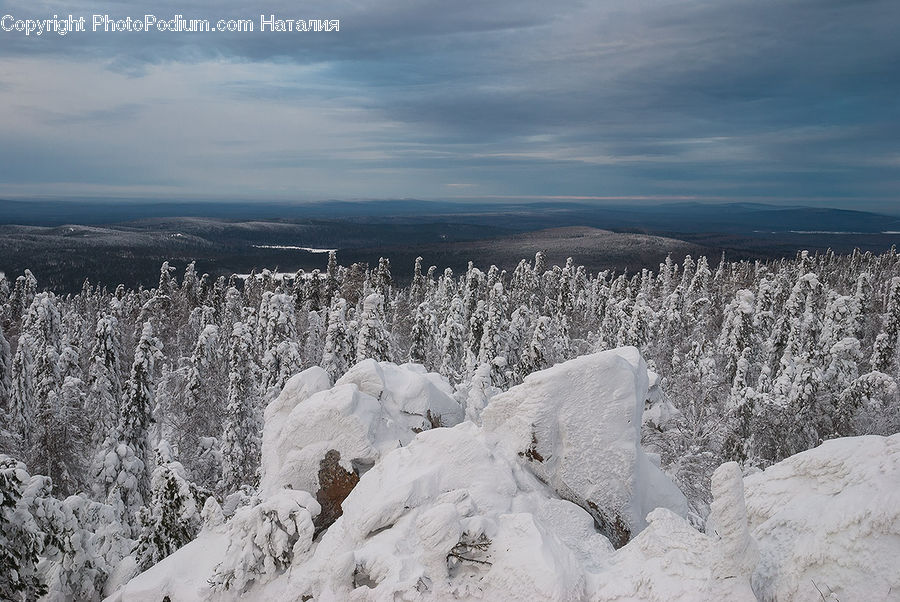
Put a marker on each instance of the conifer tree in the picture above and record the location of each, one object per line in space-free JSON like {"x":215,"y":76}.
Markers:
{"x":372,"y":341}
{"x":172,"y":518}
{"x":339,"y":347}
{"x":5,"y":374}
{"x":241,"y":434}
{"x":422,"y":349}
{"x":20,"y":540}
{"x":104,"y":395}
{"x":453,"y":341}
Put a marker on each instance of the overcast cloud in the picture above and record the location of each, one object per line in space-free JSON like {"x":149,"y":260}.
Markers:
{"x":780,"y":101}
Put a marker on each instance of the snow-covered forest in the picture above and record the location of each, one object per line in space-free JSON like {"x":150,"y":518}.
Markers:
{"x":132,"y":418}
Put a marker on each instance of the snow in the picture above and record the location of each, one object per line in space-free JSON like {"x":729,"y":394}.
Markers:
{"x":578,"y":426}
{"x":293,"y":248}
{"x":181,"y":576}
{"x":412,"y":510}
{"x":374,"y":408}
{"x":829,"y":519}
{"x":509,"y":510}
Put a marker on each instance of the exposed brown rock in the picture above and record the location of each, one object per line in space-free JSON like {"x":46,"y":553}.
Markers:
{"x":335,"y":484}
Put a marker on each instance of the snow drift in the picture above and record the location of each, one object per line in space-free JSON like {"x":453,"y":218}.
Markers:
{"x":523,"y":507}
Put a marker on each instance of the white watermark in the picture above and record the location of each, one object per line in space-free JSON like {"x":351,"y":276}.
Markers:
{"x":67,"y":24}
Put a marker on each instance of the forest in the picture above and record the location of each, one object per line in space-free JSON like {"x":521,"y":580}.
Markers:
{"x":126,"y":411}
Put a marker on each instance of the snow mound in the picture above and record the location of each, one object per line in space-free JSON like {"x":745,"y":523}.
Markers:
{"x":577,"y":426}
{"x":451,"y":516}
{"x":828,"y":520}
{"x":181,"y":576}
{"x":321,"y":439}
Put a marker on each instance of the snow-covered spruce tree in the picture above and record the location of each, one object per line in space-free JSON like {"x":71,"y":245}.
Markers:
{"x":418,"y":287}
{"x":313,"y":346}
{"x":868,"y":406}
{"x":242,"y":427}
{"x":74,"y":565}
{"x":423,"y":348}
{"x":332,"y":280}
{"x":382,"y":281}
{"x":453,"y":342}
{"x":494,"y":338}
{"x":123,"y":463}
{"x":60,"y":441}
{"x":536,"y":353}
{"x":339,"y":347}
{"x":277,"y":336}
{"x":20,"y":540}
{"x":5,"y":374}
{"x":137,"y":406}
{"x":263,"y":540}
{"x":372,"y":341}
{"x":172,"y":518}
{"x":204,"y":388}
{"x":884,"y":352}
{"x":736,"y":331}
{"x":22,"y":394}
{"x":36,"y":365}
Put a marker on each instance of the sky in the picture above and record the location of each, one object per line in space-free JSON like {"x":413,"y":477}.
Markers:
{"x":780,"y":101}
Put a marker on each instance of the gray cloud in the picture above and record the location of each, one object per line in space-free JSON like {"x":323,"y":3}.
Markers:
{"x":776,"y":99}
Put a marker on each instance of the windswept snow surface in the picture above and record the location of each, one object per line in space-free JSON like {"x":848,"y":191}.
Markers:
{"x":828,"y":520}
{"x":509,"y":511}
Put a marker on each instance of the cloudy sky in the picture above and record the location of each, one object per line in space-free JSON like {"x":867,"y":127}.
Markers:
{"x":770,"y":100}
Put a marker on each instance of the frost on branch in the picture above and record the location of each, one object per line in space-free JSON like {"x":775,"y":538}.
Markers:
{"x":263,"y":540}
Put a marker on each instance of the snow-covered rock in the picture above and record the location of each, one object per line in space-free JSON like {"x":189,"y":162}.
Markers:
{"x":452,"y":516}
{"x":320,"y":439}
{"x":828,"y":520}
{"x":495,"y":512}
{"x":577,"y":426}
